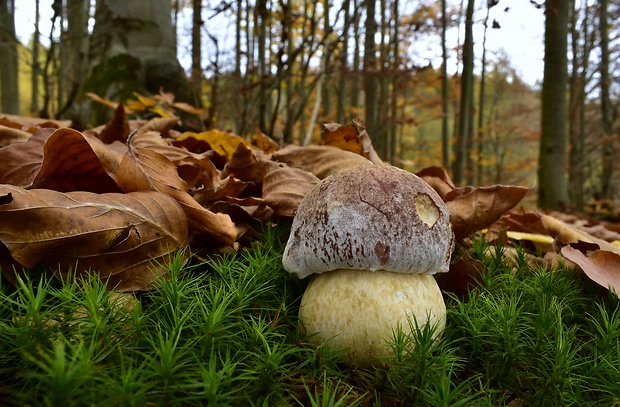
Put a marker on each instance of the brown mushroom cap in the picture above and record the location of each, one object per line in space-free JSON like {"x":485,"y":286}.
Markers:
{"x":372,"y":218}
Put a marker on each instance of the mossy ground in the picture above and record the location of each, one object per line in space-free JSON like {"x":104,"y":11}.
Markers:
{"x":224,"y":332}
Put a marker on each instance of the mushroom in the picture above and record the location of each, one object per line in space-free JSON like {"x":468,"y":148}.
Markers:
{"x":372,"y":237}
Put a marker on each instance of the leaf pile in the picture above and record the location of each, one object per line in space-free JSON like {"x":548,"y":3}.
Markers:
{"x":119,"y":199}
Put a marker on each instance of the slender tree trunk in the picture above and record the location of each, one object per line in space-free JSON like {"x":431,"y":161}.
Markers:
{"x":395,"y":79}
{"x":467,"y":88}
{"x":552,"y":171}
{"x":370,"y":79}
{"x":263,"y":75}
{"x":355,"y":71}
{"x":36,"y":67}
{"x":445,"y":131}
{"x":9,"y":59}
{"x":608,"y":159}
{"x":480,"y":142}
{"x":327,"y":51}
{"x":196,"y":75}
{"x":340,"y":115}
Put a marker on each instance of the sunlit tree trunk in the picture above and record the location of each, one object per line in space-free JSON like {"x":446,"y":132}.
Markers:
{"x":552,"y":171}
{"x":344,"y":69}
{"x":480,"y":143}
{"x":608,"y":159}
{"x":355,"y":89}
{"x":9,"y":58}
{"x":467,"y":89}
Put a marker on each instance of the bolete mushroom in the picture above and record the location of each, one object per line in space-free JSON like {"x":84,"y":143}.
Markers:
{"x":372,"y":237}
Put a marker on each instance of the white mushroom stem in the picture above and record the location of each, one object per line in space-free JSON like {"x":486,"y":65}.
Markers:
{"x":358,"y":310}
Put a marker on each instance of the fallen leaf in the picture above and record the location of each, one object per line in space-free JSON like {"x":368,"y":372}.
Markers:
{"x":438,"y":179}
{"x":568,"y":234}
{"x":9,"y":135}
{"x":463,"y":276}
{"x":473,"y":209}
{"x":600,"y":266}
{"x":144,"y":169}
{"x":21,"y":161}
{"x":265,"y":143}
{"x":223,"y":143}
{"x":117,"y":129}
{"x":344,"y":137}
{"x":27,"y":121}
{"x":117,"y":235}
{"x":284,"y":187}
{"x":73,"y":161}
{"x":322,"y":161}
{"x":243,"y":165}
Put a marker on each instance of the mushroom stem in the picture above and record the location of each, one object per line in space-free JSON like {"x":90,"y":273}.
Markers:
{"x":358,"y":310}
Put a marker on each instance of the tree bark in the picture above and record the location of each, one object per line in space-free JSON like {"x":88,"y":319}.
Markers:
{"x":132,"y":48}
{"x":36,"y":68}
{"x":445,"y":131}
{"x":552,"y":171}
{"x":467,"y":89}
{"x":608,"y":158}
{"x":196,"y":75}
{"x":370,"y":79}
{"x":9,"y":59}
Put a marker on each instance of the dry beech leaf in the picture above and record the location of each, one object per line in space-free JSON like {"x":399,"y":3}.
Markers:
{"x":223,"y":143}
{"x":322,"y":161}
{"x":153,"y":140}
{"x":284,"y":187}
{"x":473,"y":209}
{"x":9,"y":135}
{"x":117,"y":129}
{"x":265,"y":143}
{"x":568,"y":234}
{"x":600,"y":266}
{"x":344,"y":137}
{"x":27,"y":121}
{"x":116,"y":235}
{"x":438,"y":179}
{"x":160,"y":124}
{"x":21,"y":161}
{"x":73,"y":161}
{"x":464,"y":274}
{"x":144,"y":169}
{"x":243,"y":165}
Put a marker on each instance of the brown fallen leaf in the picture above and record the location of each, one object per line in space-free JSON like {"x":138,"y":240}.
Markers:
{"x":600,"y":266}
{"x":21,"y":161}
{"x":27,"y":121}
{"x":438,"y":179}
{"x":144,"y":169}
{"x":116,"y":235}
{"x":117,"y":129}
{"x":472,"y":209}
{"x":344,"y":137}
{"x":223,"y":143}
{"x":73,"y":161}
{"x":284,"y":187}
{"x":322,"y":161}
{"x":568,"y":234}
{"x":9,"y":135}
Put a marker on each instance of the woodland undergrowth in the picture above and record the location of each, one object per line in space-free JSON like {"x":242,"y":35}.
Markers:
{"x":223,"y":331}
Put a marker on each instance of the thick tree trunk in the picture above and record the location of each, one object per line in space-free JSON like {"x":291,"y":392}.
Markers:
{"x":467,"y":89}
{"x":132,"y":48}
{"x":552,"y":171}
{"x":9,"y":60}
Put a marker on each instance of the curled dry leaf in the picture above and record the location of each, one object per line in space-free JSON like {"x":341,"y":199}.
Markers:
{"x":438,"y":179}
{"x":284,"y":187}
{"x":117,"y":235}
{"x":21,"y":161}
{"x":73,"y":161}
{"x":569,"y":234}
{"x":602,"y":267}
{"x":243,"y":165}
{"x":117,"y":129}
{"x":344,"y":137}
{"x":322,"y":161}
{"x":473,"y":209}
{"x":144,"y":169}
{"x":265,"y":143}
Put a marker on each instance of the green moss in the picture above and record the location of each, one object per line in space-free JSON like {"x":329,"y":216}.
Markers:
{"x":115,"y":78}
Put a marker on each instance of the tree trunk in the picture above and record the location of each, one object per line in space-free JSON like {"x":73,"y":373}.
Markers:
{"x":261,"y":28}
{"x":552,"y":183}
{"x":608,"y":159}
{"x":196,"y":75}
{"x":445,"y":131}
{"x":9,"y":59}
{"x":370,"y":79}
{"x":36,"y":68}
{"x":132,"y":49}
{"x":467,"y":89}
{"x":395,"y":45}
{"x":344,"y":71}
{"x":481,"y":99}
{"x":355,"y":72}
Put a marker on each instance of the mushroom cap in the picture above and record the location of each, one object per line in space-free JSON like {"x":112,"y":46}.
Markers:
{"x":358,"y":311}
{"x":370,"y":218}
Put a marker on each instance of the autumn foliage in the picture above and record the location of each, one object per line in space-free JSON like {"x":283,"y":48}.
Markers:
{"x":120,"y":199}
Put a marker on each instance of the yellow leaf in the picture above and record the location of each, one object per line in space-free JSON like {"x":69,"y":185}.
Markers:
{"x":223,"y":143}
{"x":532,"y":237}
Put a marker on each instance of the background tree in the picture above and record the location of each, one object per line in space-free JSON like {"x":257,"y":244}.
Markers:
{"x":9,"y":59}
{"x":552,"y":170}
{"x":608,"y":158}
